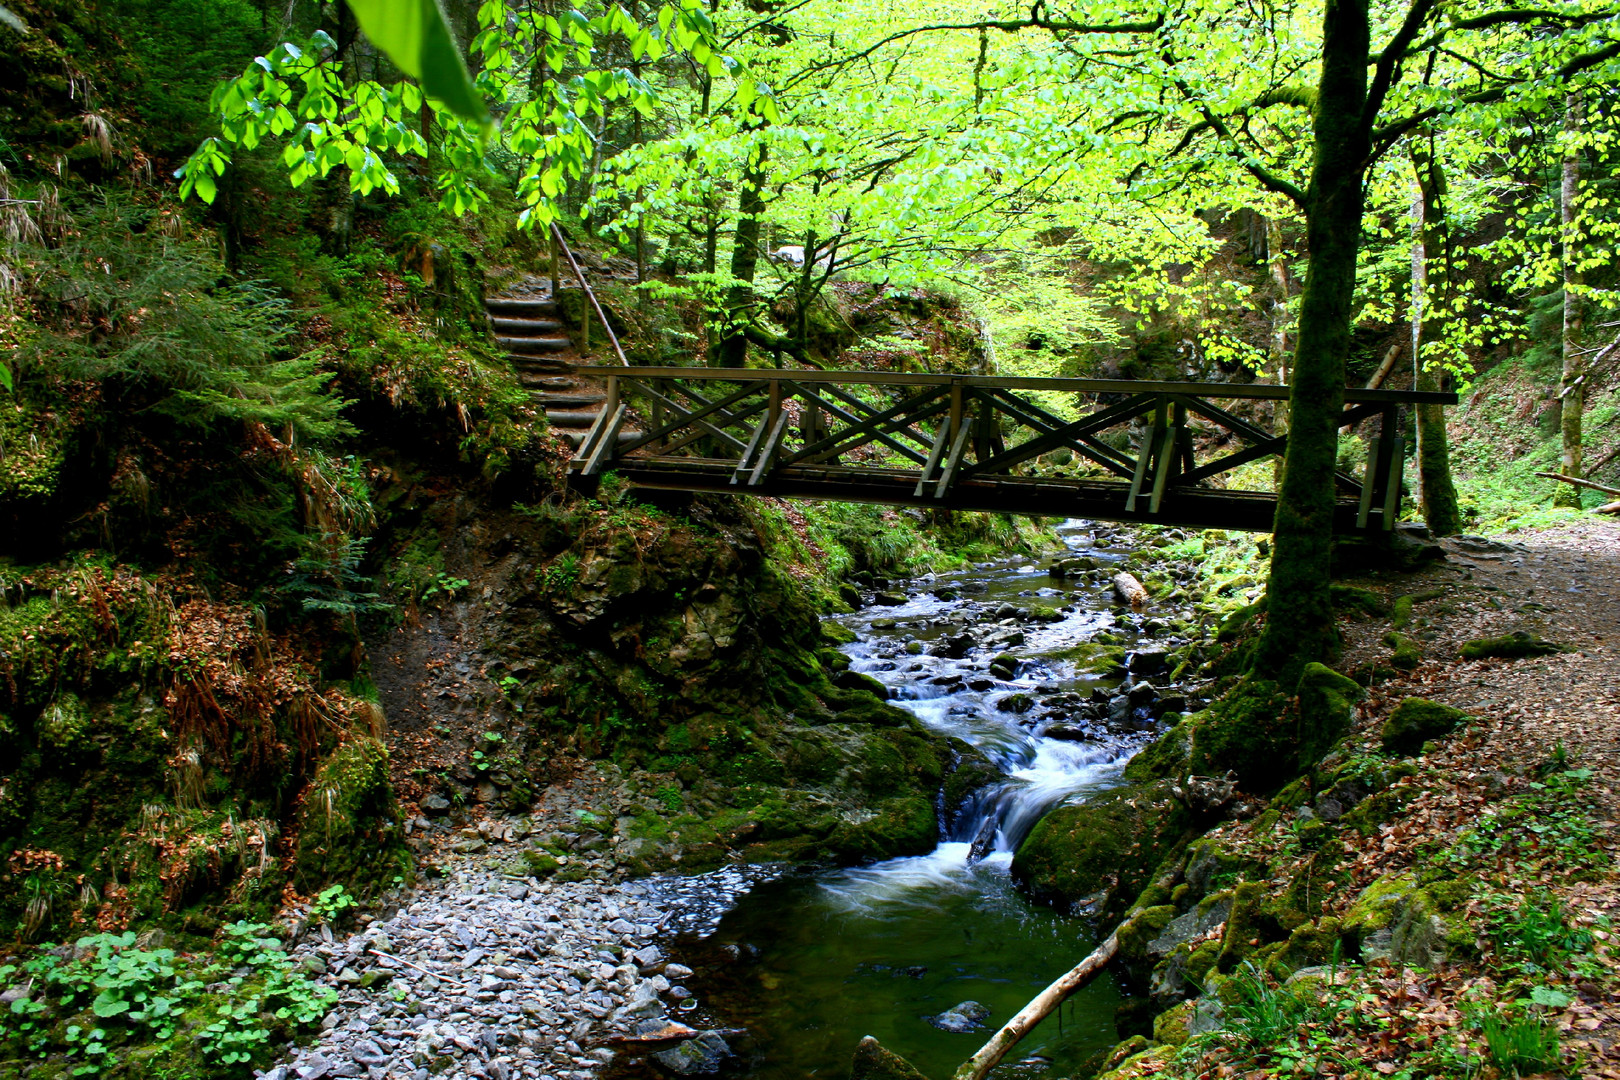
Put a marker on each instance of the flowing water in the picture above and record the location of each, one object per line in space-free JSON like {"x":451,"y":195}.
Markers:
{"x":808,"y":962}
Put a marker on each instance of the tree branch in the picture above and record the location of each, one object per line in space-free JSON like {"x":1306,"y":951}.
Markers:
{"x":1386,"y":73}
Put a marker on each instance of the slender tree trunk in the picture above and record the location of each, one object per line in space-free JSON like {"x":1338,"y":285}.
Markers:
{"x":744,"y":261}
{"x":1279,"y":326}
{"x":1299,"y":624}
{"x":1572,"y":386}
{"x":1437,"y":495}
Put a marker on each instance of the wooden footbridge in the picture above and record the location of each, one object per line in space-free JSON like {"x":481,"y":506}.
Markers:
{"x":967,"y":442}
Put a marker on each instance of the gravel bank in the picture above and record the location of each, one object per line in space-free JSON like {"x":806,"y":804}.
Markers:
{"x":486,"y":975}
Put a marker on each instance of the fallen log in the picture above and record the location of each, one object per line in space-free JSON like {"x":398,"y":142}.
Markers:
{"x":1578,"y":482}
{"x":1609,"y":508}
{"x":1037,"y":1010}
{"x":1385,"y":368}
{"x":1130,"y":591}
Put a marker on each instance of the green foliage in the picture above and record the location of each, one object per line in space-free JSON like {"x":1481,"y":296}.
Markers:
{"x":207,"y":1016}
{"x":1535,"y":934}
{"x":168,"y":332}
{"x":1523,"y":1044}
{"x":330,"y":904}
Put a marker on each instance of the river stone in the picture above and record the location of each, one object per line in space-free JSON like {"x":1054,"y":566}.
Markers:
{"x":873,"y":1062}
{"x":1146,"y":661}
{"x":434,"y":805}
{"x":694,"y":1057}
{"x":963,"y":1017}
{"x":1004,"y":666}
{"x":889,"y":599}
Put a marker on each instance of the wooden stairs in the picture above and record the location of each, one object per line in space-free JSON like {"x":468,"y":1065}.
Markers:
{"x":526,"y":322}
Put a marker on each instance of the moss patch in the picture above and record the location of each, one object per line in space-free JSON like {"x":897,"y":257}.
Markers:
{"x":1417,"y":720}
{"x":1515,"y":646}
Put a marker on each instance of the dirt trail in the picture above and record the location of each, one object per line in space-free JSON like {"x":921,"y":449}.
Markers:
{"x":1563,"y":585}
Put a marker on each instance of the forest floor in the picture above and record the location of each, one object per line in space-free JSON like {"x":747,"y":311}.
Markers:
{"x":1511,"y":819}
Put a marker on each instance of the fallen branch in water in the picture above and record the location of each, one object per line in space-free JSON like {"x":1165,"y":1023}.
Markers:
{"x":1037,"y":1010}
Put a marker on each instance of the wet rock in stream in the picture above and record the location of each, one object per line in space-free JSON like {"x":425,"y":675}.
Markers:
{"x":964,"y":1017}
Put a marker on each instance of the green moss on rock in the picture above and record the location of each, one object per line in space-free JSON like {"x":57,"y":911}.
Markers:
{"x":1097,"y":855}
{"x":1327,"y":703}
{"x":1417,"y":720}
{"x":1515,"y":646}
{"x":349,"y":828}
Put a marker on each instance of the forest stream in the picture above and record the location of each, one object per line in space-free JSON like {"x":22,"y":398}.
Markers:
{"x":808,"y":962}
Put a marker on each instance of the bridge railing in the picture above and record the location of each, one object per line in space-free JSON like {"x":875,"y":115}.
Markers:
{"x":967,"y":441}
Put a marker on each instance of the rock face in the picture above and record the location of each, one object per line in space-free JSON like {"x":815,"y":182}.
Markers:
{"x":962,"y":1017}
{"x":675,"y":645}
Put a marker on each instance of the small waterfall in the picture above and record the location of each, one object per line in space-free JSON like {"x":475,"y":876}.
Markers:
{"x":961,"y":697}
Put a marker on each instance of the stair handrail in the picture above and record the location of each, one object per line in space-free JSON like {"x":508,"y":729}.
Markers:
{"x":589,"y":292}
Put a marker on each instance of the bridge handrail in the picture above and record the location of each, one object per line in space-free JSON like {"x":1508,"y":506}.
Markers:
{"x":1267,"y":392}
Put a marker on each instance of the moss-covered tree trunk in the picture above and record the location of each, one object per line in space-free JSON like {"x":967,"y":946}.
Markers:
{"x":733,"y":350}
{"x":1299,"y":627}
{"x":1572,"y":386}
{"x":1437,"y":495}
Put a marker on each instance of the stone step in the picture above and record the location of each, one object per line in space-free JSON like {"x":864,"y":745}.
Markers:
{"x":520,"y":306}
{"x":526,"y":327}
{"x":583,"y":399}
{"x":572,"y":418}
{"x":577,"y":435}
{"x":530,"y":346}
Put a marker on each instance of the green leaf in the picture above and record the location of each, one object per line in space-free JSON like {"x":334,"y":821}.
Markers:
{"x":1553,"y":999}
{"x":106,"y":1004}
{"x":415,"y":36}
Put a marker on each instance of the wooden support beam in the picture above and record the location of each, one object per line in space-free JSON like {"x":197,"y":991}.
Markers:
{"x":745,"y":463}
{"x":607,"y":443}
{"x":685,"y":417}
{"x":922,"y":406}
{"x":1149,"y":441}
{"x":767,"y":453}
{"x":1397,"y":469}
{"x":1064,"y":436}
{"x":1100,"y":452}
{"x":947,"y":475}
{"x":942,"y":439}
{"x":1167,"y":459}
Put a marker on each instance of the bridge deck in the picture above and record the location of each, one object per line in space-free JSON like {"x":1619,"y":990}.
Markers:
{"x":1158,"y":451}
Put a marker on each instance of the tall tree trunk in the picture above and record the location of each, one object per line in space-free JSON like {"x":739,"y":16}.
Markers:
{"x":1572,"y":386}
{"x":1437,"y":495}
{"x":1299,"y":624}
{"x":740,"y":301}
{"x":1279,"y":326}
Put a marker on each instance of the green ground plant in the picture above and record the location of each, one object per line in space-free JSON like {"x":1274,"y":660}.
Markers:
{"x":106,"y":1002}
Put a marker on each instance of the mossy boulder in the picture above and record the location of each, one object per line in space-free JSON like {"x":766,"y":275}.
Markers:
{"x":1149,"y":1062}
{"x":349,"y":828}
{"x":1327,"y":702}
{"x":904,"y":825}
{"x":836,"y":633}
{"x":1398,"y":920}
{"x":1094,"y":659}
{"x":1518,"y":645}
{"x":1095,"y":856}
{"x":1166,"y":756}
{"x":1175,"y":1026}
{"x":873,"y":1062}
{"x":1417,"y":720}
